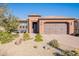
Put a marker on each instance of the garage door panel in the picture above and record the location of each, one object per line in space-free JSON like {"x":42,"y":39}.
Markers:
{"x":56,"y":28}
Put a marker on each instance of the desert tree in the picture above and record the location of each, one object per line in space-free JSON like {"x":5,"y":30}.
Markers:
{"x":7,"y":20}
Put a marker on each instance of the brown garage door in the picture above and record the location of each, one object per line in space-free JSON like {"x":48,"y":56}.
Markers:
{"x":55,"y":28}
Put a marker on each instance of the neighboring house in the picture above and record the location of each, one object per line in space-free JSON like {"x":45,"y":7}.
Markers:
{"x":22,"y":26}
{"x":51,"y":24}
{"x":77,"y":26}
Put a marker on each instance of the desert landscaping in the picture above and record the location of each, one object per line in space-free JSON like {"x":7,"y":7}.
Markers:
{"x":36,"y":35}
{"x":33,"y":48}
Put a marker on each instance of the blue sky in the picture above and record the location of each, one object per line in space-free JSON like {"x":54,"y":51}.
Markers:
{"x":22,"y":10}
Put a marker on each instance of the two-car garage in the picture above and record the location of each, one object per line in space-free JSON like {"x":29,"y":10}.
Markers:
{"x":55,"y":28}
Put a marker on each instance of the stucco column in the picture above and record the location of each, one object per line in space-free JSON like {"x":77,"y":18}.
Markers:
{"x":41,"y":27}
{"x":71,"y":27}
{"x":30,"y":27}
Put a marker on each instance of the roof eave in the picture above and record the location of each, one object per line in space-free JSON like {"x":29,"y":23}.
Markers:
{"x":57,"y":18}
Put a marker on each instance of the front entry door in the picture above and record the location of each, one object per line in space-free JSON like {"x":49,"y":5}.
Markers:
{"x":35,"y":27}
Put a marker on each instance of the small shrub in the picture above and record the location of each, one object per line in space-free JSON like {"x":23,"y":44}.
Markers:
{"x":26,"y":36}
{"x":38,"y":38}
{"x":5,"y":37}
{"x":77,"y":51}
{"x":69,"y":53}
{"x":66,"y":53}
{"x":54,"y":43}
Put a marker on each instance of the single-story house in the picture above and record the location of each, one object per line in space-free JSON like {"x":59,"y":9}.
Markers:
{"x":52,"y":24}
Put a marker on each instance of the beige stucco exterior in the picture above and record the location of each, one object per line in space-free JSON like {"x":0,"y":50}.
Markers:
{"x":42,"y":20}
{"x":71,"y":26}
